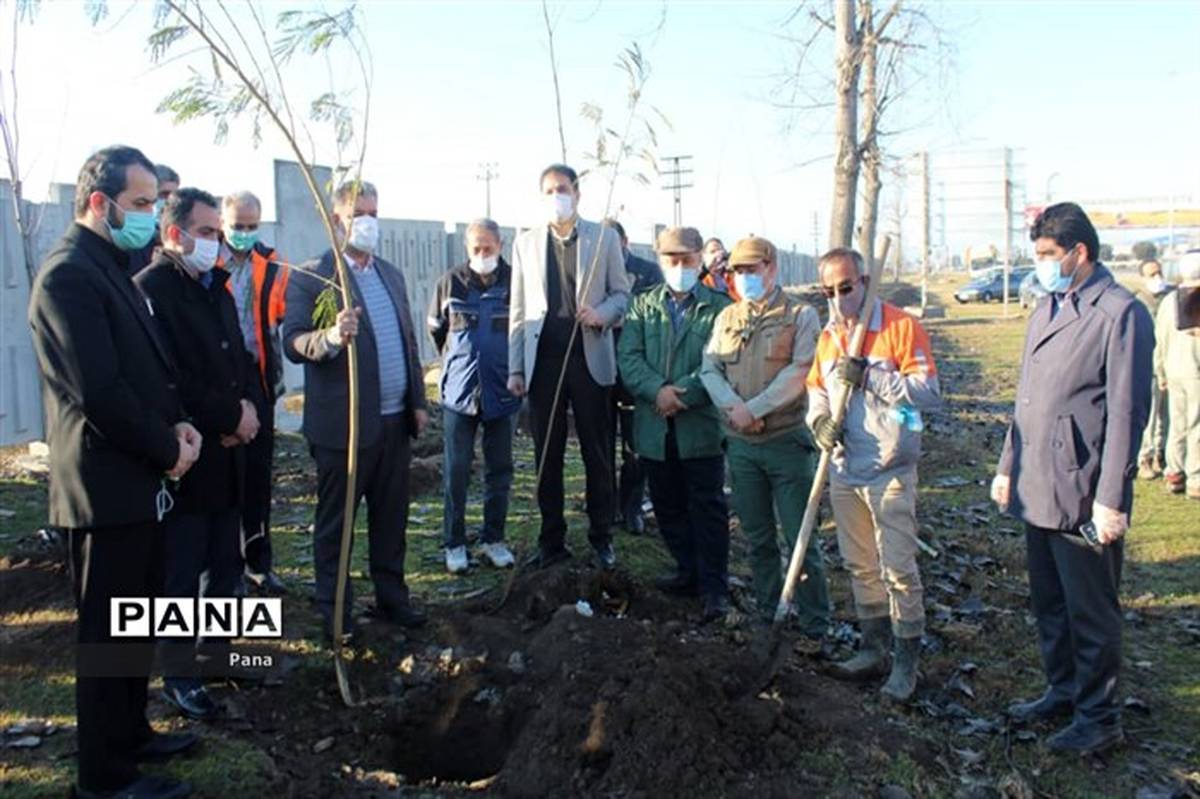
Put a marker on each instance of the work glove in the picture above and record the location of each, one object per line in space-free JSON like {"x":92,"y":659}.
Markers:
{"x":852,"y":371}
{"x":1110,"y":524}
{"x":1000,"y":486}
{"x":826,"y":432}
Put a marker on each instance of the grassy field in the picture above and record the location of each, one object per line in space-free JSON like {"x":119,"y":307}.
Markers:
{"x":980,"y":649}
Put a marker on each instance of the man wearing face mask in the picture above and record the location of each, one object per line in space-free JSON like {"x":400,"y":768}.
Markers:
{"x":754,"y":369}
{"x":168,"y":181}
{"x":113,"y":422}
{"x":1067,"y":471}
{"x":568,"y":274}
{"x":468,"y":321}
{"x":198,"y":319}
{"x":258,"y":282}
{"x":1151,"y":459}
{"x":676,"y":428}
{"x":873,"y":468}
{"x":631,"y":482}
{"x":391,"y":404}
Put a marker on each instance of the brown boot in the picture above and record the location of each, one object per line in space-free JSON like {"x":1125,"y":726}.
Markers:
{"x":1175,"y":482}
{"x":1146,"y":470}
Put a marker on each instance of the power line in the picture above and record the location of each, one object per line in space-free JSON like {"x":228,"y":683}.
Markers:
{"x":675,"y":177}
{"x":488,"y":173}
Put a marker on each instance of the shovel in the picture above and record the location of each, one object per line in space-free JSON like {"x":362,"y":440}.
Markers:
{"x":771,"y":651}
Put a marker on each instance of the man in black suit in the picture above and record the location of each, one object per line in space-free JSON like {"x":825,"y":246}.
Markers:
{"x":199,"y":321}
{"x":113,"y":418}
{"x":391,"y":404}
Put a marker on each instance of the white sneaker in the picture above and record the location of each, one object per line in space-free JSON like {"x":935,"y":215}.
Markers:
{"x":456,"y":559}
{"x":499,"y":554}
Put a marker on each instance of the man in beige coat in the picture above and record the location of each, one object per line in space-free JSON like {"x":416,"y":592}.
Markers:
{"x":569,"y":289}
{"x":1177,"y":372}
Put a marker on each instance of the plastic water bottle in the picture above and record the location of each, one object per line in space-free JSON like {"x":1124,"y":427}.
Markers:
{"x":909,"y":417}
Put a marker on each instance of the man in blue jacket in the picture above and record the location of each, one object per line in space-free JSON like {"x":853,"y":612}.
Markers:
{"x":468,"y":320}
{"x":1067,"y":469}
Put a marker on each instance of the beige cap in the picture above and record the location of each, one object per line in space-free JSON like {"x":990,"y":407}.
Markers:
{"x":679,"y":239}
{"x":752,"y":251}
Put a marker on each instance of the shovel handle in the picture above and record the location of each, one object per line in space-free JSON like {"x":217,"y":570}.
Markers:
{"x":841,"y":402}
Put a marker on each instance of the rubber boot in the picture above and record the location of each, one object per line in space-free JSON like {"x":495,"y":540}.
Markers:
{"x":871,"y":659}
{"x":902,"y":682}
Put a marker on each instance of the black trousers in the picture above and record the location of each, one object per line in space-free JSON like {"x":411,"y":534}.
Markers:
{"x":631,"y":479}
{"x":1075,"y":596}
{"x":383,"y":481}
{"x":196,"y":545}
{"x":256,"y":496}
{"x":112,"y":674}
{"x":689,"y":506}
{"x":591,"y":404}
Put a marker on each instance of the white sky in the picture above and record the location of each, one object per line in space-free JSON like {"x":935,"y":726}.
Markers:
{"x":1103,"y":93}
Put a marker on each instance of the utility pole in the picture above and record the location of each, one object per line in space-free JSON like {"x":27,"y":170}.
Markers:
{"x":488,"y":173}
{"x":1007,"y":224}
{"x":924,"y":228}
{"x":676,"y":176}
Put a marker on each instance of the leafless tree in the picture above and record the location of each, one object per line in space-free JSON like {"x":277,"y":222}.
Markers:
{"x":27,"y":221}
{"x":882,"y":51}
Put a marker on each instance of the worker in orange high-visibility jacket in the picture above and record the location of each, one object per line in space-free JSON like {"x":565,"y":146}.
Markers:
{"x":873,"y":464}
{"x":258,"y":281}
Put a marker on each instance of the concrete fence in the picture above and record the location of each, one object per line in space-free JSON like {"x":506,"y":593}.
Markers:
{"x":424,"y":249}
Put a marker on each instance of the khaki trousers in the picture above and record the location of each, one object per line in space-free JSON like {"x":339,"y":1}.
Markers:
{"x":877,"y":536}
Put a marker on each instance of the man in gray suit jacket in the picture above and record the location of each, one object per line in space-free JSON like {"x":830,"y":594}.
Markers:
{"x":391,"y":404}
{"x":567,"y":273}
{"x":1067,"y":469}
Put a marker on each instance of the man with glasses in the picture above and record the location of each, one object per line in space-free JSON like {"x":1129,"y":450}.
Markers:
{"x":873,"y":468}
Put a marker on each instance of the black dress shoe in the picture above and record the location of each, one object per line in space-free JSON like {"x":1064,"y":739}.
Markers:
{"x":715,"y":609}
{"x":543,"y":559}
{"x":192,"y":701}
{"x":606,"y":557}
{"x":1086,"y":738}
{"x":165,"y":744}
{"x":677,"y":583}
{"x":1045,"y":707}
{"x":150,"y":786}
{"x":407,"y":616}
{"x":272,"y":585}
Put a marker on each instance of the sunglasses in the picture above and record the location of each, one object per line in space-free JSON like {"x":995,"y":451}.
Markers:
{"x":845,"y":287}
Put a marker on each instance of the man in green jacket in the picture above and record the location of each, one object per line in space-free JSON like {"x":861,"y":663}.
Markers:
{"x":754,"y":370}
{"x":676,"y":431}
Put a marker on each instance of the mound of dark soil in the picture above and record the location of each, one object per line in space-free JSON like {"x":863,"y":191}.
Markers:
{"x":635,"y":700}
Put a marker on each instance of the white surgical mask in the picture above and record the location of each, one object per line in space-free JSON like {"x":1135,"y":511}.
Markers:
{"x":1155,"y":284}
{"x":680,"y":278}
{"x":203,"y":256}
{"x":364,"y":234}
{"x":484,"y":266}
{"x":559,"y":207}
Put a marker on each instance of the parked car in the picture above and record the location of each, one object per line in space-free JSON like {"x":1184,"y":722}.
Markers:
{"x":1031,"y":290}
{"x":990,"y":286}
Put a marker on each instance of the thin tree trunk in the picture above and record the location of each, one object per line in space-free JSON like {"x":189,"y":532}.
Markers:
{"x":869,"y":147}
{"x":846,"y":161}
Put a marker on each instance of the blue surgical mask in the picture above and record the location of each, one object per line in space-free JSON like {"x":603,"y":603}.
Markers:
{"x":241,"y":240}
{"x":1050,"y":275}
{"x":135,"y":232}
{"x":680,"y":278}
{"x":749,"y":286}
